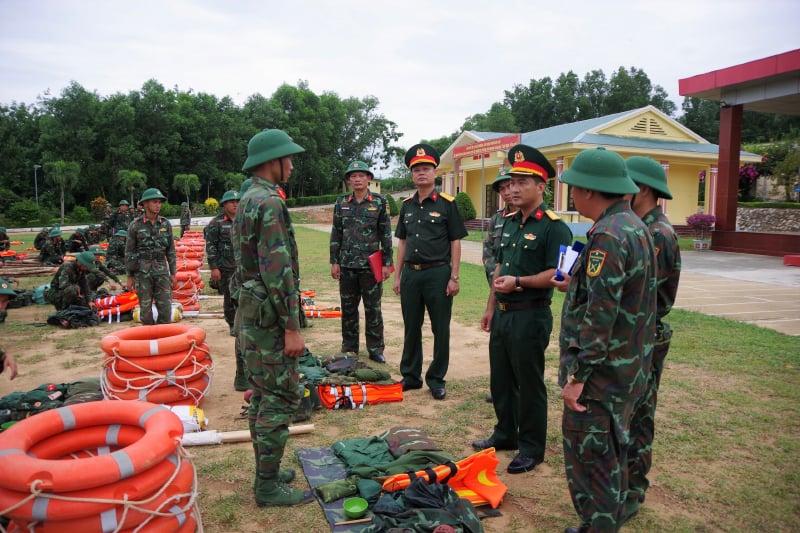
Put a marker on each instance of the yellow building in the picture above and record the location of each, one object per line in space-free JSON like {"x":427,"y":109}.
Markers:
{"x":472,"y":162}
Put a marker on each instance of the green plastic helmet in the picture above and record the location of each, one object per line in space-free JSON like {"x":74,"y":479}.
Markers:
{"x":598,"y":169}
{"x":87,"y":259}
{"x":358,"y":166}
{"x":55,"y":232}
{"x":502,"y":176}
{"x":184,"y":204}
{"x":96,"y":249}
{"x":245,"y":185}
{"x":121,"y":233}
{"x":230,"y":195}
{"x":648,"y":171}
{"x":5,"y":288}
{"x":268,"y":145}
{"x":152,"y":194}
{"x":124,"y":202}
{"x":2,"y":229}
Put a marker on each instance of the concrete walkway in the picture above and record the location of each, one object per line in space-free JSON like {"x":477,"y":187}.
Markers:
{"x":756,"y":289}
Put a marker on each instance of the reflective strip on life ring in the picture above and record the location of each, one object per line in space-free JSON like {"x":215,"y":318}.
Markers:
{"x":161,"y":362}
{"x":22,"y":472}
{"x":192,"y":393}
{"x":157,"y":339}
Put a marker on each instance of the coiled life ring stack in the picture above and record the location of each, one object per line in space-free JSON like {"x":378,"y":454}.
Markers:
{"x":98,"y":466}
{"x":190,"y":251}
{"x":163,"y":363}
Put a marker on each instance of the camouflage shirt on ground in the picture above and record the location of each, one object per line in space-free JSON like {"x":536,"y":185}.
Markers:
{"x":360,"y":229}
{"x":608,"y":318}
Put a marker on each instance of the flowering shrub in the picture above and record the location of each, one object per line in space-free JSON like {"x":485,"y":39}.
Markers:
{"x":700,"y":222}
{"x":749,"y":173}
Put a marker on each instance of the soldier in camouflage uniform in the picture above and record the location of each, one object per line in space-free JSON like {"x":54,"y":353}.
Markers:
{"x":70,"y":285}
{"x":269,"y":312}
{"x":651,"y":179}
{"x":103,"y":274}
{"x":115,"y":255}
{"x":606,"y":341}
{"x":491,"y":244}
{"x":186,"y":218}
{"x":150,"y":259}
{"x":361,"y":227}
{"x":41,"y":238}
{"x":219,"y":252}
{"x":5,"y":242}
{"x":53,"y":249}
{"x":8,"y":365}
{"x":240,"y":381}
{"x":121,"y":218}
{"x":77,"y":241}
{"x":106,"y":227}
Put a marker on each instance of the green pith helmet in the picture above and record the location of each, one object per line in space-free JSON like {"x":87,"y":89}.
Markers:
{"x":245,"y":185}
{"x":228,"y":196}
{"x":97,"y":249}
{"x":358,"y":166}
{"x":502,"y":176}
{"x":121,"y":233}
{"x":648,"y":171}
{"x":598,"y":169}
{"x":421,"y":153}
{"x":55,"y":232}
{"x":124,"y":202}
{"x":5,"y":288}
{"x":87,"y":259}
{"x":268,"y":145}
{"x":184,"y":204}
{"x":152,"y":194}
{"x":2,"y":229}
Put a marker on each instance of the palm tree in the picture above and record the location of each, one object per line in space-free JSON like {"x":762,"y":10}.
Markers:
{"x":132,"y":180}
{"x":187,"y":183}
{"x":62,"y":174}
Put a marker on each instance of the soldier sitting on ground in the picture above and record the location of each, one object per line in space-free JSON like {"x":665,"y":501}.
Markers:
{"x":41,"y":238}
{"x":53,"y":249}
{"x":103,"y":274}
{"x":70,"y":285}
{"x":5,"y":242}
{"x":77,"y":242}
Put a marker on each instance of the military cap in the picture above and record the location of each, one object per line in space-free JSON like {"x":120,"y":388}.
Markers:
{"x":55,"y":232}
{"x":152,"y":194}
{"x":121,"y":233}
{"x":184,"y":204}
{"x":267,"y":145}
{"x":358,"y":166}
{"x":422,"y":153}
{"x":87,"y":259}
{"x":228,"y":196}
{"x":648,"y":171}
{"x":528,"y":161}
{"x":5,"y":288}
{"x":124,"y":202}
{"x":502,"y":176}
{"x":2,"y":229}
{"x":92,"y":226}
{"x":245,"y":185}
{"x":598,"y":169}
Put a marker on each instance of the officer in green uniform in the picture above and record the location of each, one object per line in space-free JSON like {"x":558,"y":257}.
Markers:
{"x":429,"y":232}
{"x":606,"y":342}
{"x":518,"y":313}
{"x":651,"y":179}
{"x":8,"y":365}
{"x":269,"y":312}
{"x":361,"y":227}
{"x":53,"y":249}
{"x":70,"y":284}
{"x":115,"y":254}
{"x":186,"y":218}
{"x":150,"y":259}
{"x":219,"y":253}
{"x":121,"y":218}
{"x":5,"y":242}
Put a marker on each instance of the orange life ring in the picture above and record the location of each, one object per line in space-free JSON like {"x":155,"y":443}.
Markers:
{"x":8,"y":253}
{"x":22,"y":472}
{"x":157,"y":339}
{"x":61,"y":445}
{"x":139,"y":380}
{"x":168,"y":361}
{"x":192,"y":393}
{"x":15,"y":243}
{"x":189,"y":265}
{"x":183,"y":275}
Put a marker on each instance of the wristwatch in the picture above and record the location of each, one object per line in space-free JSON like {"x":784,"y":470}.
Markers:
{"x":454,"y":278}
{"x":517,"y":285}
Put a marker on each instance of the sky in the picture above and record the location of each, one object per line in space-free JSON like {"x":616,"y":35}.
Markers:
{"x":430,"y":64}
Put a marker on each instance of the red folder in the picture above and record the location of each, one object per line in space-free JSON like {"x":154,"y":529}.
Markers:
{"x":376,"y":264}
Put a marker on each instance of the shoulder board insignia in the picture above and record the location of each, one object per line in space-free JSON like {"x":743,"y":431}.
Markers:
{"x":595,"y":263}
{"x":551,"y":215}
{"x":446,"y":196}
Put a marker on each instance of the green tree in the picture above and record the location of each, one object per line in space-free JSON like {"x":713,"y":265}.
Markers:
{"x":498,"y":119}
{"x":702,"y":117}
{"x":233,"y":181}
{"x":131,"y":181}
{"x":186,"y":183}
{"x":787,"y":173}
{"x":465,"y":206}
{"x":632,"y":89}
{"x":64,"y":175}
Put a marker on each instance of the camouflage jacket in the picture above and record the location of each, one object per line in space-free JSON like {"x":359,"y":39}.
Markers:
{"x":120,"y":220}
{"x":608,"y":318}
{"x":360,"y":229}
{"x":186,"y":217}
{"x":267,"y":250}
{"x":41,"y":237}
{"x":52,"y":252}
{"x":68,"y":282}
{"x":492,"y":241}
{"x":116,"y":249}
{"x":219,"y":248}
{"x":668,"y":260}
{"x":150,"y":247}
{"x":77,"y":243}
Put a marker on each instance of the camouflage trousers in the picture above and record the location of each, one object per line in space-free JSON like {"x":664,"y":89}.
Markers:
{"x":228,"y":307}
{"x":274,"y":378}
{"x":240,"y":381}
{"x":356,"y":286}
{"x":640,"y":456}
{"x":596,"y":446}
{"x":154,"y":289}
{"x":63,"y":299}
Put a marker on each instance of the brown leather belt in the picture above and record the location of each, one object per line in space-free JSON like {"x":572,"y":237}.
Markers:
{"x":424,"y":266}
{"x":521,"y":306}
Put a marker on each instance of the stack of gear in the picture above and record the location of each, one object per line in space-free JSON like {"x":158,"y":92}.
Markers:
{"x":164,"y":363}
{"x":98,"y":466}
{"x":311,"y":310}
{"x":23,"y":404}
{"x":117,"y":307}
{"x":190,"y":251}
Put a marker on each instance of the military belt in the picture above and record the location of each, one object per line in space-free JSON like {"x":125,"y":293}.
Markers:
{"x":521,"y":306}
{"x":152,"y":256}
{"x":424,"y":266}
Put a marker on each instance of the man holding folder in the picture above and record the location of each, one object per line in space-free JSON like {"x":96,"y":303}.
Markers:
{"x":361,"y":232}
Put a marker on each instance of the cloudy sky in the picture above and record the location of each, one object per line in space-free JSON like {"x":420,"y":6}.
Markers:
{"x":431,"y":64}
